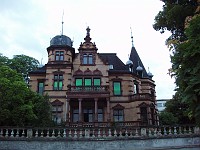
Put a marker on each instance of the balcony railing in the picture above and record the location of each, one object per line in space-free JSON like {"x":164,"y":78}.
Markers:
{"x":142,"y":96}
{"x":97,"y":133}
{"x":94,"y":89}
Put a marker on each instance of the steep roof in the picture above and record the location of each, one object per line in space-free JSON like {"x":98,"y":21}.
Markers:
{"x":135,"y":58}
{"x":112,"y":59}
{"x":41,"y":70}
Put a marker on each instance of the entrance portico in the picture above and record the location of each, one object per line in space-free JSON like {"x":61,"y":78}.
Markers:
{"x":87,"y":110}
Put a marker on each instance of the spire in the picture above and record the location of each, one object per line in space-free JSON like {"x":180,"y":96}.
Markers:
{"x":62,"y":22}
{"x":132,"y":37}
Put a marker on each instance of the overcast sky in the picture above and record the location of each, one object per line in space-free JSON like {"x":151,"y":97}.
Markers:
{"x":28,"y":25}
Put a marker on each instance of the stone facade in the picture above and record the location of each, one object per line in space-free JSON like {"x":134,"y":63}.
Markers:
{"x":95,"y":87}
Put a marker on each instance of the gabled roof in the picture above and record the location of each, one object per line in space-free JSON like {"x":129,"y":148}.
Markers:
{"x":135,"y":58}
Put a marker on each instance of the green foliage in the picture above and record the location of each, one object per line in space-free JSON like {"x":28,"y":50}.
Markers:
{"x":19,"y":106}
{"x":172,"y":17}
{"x":186,"y":68}
{"x":167,"y":118}
{"x":24,"y":64}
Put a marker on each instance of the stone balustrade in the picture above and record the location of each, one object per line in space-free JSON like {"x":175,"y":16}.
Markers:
{"x":99,"y":133}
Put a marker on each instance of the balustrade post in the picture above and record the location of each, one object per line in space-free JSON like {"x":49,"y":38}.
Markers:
{"x":29,"y":133}
{"x":143,"y":131}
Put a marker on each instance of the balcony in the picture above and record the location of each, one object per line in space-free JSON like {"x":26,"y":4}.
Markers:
{"x":142,"y":96}
{"x":87,"y":91}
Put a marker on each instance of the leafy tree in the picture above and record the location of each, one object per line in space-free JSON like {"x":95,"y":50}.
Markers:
{"x":186,"y":68}
{"x":4,"y":60}
{"x":19,"y":106}
{"x":172,"y":17}
{"x":167,"y":118}
{"x":184,"y":43}
{"x":24,"y":64}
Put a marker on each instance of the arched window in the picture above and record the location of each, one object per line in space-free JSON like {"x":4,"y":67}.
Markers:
{"x":87,"y":59}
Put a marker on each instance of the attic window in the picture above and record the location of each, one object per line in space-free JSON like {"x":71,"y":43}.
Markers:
{"x":87,"y":59}
{"x":110,"y":67}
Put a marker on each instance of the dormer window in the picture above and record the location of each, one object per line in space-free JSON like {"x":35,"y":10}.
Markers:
{"x":87,"y":59}
{"x":59,"y":56}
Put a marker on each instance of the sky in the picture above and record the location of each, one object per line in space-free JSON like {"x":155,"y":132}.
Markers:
{"x":27,"y":27}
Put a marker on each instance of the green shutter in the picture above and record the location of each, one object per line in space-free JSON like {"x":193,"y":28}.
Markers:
{"x":88,"y":82}
{"x":60,"y":85}
{"x":79,"y":82}
{"x":117,"y":88}
{"x":55,"y":85}
{"x":97,"y":82}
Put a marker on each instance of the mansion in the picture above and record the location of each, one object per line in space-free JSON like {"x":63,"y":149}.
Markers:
{"x":91,"y":88}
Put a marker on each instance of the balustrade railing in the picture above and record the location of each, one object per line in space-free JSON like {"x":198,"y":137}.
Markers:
{"x":99,"y":132}
{"x":87,"y":88}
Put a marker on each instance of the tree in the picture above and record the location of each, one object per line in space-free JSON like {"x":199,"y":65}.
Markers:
{"x":186,"y":68}
{"x":184,"y":43}
{"x":4,"y":60}
{"x":172,"y":17}
{"x":19,"y":106}
{"x":167,"y":118}
{"x":24,"y":64}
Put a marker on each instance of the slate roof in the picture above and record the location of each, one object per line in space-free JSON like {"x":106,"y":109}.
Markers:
{"x":112,"y":59}
{"x":40,"y":70}
{"x":134,"y":57}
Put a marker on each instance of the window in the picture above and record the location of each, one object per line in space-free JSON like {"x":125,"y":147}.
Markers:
{"x":88,"y":115}
{"x":88,"y":82}
{"x":100,"y":115}
{"x":41,"y":88}
{"x":79,"y":82}
{"x":58,"y":82}
{"x":56,"y":113}
{"x":57,"y":118}
{"x":159,"y":105}
{"x":75,"y":115}
{"x":87,"y":59}
{"x":136,"y":89}
{"x":97,"y":81}
{"x":143,"y":115}
{"x":59,"y":55}
{"x":118,"y":115}
{"x":117,"y":88}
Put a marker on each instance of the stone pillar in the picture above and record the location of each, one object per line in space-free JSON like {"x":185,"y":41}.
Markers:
{"x":108,"y":109}
{"x":67,"y":110}
{"x":80,"y":109}
{"x":96,"y":109}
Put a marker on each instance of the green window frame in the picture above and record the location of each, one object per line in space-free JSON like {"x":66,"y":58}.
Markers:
{"x":58,"y":82}
{"x":96,"y":81}
{"x":41,"y":88}
{"x":79,"y":82}
{"x":88,"y":82}
{"x":117,"y":88}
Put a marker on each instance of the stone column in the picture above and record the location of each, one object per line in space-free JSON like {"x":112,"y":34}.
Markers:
{"x":67,"y":110}
{"x":96,"y":109}
{"x":80,"y":109}
{"x":108,"y":109}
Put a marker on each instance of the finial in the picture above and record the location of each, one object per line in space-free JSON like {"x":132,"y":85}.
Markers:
{"x":62,"y":22}
{"x":88,"y":31}
{"x":131,"y":37}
